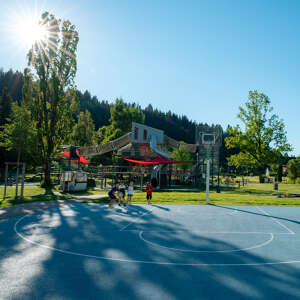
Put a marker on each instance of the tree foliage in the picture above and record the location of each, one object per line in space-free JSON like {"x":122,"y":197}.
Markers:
{"x":84,"y":131}
{"x":19,"y":133}
{"x":49,"y":87}
{"x":294,"y":169}
{"x":121,"y":117}
{"x":263,"y":140}
{"x":182,"y":156}
{"x":5,"y":106}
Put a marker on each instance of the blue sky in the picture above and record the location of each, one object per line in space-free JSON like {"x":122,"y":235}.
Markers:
{"x":197,"y":58}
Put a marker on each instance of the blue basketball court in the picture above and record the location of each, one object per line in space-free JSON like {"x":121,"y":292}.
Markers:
{"x":90,"y":251}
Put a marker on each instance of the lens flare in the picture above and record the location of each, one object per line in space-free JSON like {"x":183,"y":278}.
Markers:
{"x":30,"y":32}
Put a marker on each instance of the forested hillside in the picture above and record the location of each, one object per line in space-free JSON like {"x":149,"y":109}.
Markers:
{"x":175,"y":126}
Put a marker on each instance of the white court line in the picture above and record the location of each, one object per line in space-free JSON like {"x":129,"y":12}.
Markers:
{"x":149,"y":261}
{"x":209,"y":232}
{"x":278,"y":222}
{"x":208,"y":251}
{"x":146,"y":213}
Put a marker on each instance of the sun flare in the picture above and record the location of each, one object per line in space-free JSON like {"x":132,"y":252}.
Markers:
{"x":30,"y":31}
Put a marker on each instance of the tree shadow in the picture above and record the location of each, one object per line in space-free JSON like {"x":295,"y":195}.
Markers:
{"x":256,"y":213}
{"x":96,"y":258}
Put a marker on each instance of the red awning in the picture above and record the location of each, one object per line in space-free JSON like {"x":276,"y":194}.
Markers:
{"x":157,"y":161}
{"x":82,"y":160}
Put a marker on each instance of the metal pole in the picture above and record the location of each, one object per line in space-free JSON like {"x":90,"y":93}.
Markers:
{"x":5,"y":180}
{"x":212,"y":172}
{"x":218,"y":188}
{"x":23,"y":175}
{"x":207,"y":181}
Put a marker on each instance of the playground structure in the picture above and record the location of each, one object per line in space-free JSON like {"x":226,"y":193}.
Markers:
{"x":148,"y":149}
{"x":73,"y":180}
{"x":143,"y":141}
{"x":144,"y":145}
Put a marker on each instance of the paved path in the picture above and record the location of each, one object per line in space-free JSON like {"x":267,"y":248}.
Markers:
{"x":29,"y":208}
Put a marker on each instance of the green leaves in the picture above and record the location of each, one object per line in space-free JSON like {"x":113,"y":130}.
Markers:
{"x":294,"y":169}
{"x":263,"y":140}
{"x":122,"y":115}
{"x":182,"y":156}
{"x":84,"y":131}
{"x":20,"y":133}
{"x":49,"y":89}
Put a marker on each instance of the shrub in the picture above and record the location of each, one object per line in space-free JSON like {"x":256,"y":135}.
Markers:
{"x":294,"y":169}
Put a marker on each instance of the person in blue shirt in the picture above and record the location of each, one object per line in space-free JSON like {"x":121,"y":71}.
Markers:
{"x":112,"y":195}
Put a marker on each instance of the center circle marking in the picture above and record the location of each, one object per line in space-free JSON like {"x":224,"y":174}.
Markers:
{"x":142,"y":261}
{"x":208,"y":251}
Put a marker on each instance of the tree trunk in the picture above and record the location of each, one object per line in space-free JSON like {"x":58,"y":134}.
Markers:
{"x":261,"y":172}
{"x":17,"y":175}
{"x":47,"y":177}
{"x":279,"y":173}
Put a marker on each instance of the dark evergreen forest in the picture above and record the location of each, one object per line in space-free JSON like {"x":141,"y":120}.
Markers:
{"x":175,"y":126}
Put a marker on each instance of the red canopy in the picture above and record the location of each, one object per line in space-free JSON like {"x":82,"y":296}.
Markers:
{"x":82,"y":158}
{"x":157,"y":161}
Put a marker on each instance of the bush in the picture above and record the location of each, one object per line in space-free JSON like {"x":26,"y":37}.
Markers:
{"x":293,"y":167}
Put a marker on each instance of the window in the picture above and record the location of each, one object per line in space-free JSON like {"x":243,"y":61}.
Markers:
{"x":136,"y":133}
{"x":145,"y":135}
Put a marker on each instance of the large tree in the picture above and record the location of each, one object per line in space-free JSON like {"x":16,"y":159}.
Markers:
{"x":263,"y":139}
{"x":49,"y":87}
{"x":84,"y":131}
{"x":121,"y":117}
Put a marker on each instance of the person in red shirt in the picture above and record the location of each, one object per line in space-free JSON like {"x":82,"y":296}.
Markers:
{"x":149,"y":189}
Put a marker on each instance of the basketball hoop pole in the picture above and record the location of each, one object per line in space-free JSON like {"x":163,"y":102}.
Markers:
{"x":207,"y":181}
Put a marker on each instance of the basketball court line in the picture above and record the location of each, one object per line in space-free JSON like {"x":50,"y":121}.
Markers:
{"x":137,"y":218}
{"x":209,"y":232}
{"x":291,"y":261}
{"x":208,"y":251}
{"x":278,"y":222}
{"x":148,"y":262}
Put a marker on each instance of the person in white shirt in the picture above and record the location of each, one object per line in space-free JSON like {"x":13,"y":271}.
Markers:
{"x":122,"y":188}
{"x":130,"y":192}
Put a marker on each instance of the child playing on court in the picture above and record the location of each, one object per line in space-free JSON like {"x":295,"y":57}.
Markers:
{"x":112,"y":195}
{"x":149,"y":189}
{"x":122,"y":193}
{"x":130,"y":192}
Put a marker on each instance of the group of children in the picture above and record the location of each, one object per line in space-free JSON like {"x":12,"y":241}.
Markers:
{"x":118,"y":193}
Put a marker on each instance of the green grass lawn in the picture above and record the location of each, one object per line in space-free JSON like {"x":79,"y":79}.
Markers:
{"x":251,"y":194}
{"x":31,"y":194}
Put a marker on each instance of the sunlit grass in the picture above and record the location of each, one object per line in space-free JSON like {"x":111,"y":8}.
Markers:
{"x":251,"y":194}
{"x":31,"y":194}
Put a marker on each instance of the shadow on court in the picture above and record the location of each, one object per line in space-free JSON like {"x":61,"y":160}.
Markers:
{"x":257,"y":213}
{"x":129,"y":268}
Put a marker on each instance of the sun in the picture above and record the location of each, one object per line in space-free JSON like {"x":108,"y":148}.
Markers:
{"x":30,"y":31}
